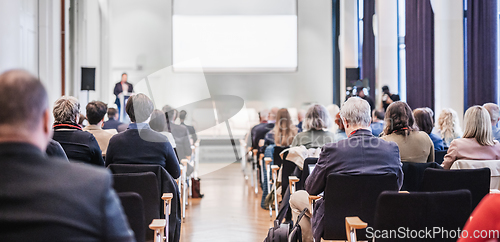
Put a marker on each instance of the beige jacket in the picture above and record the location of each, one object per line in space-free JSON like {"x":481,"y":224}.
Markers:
{"x":416,"y":147}
{"x":102,"y":136}
{"x":470,"y":149}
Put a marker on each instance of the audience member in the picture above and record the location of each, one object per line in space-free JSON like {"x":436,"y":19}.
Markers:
{"x":424,"y":122}
{"x":340,"y":133}
{"x":414,"y":146}
{"x":158,"y":123}
{"x":448,"y":126}
{"x":300,"y":116}
{"x":388,"y":97}
{"x":113,"y":122}
{"x":284,"y":131}
{"x":96,"y":110}
{"x":78,"y":144}
{"x":360,"y":154}
{"x":192,"y":131}
{"x":82,"y":121}
{"x":494,"y":112}
{"x":315,"y":125}
{"x":139,"y":144}
{"x":477,"y":142}
{"x":263,"y":115}
{"x":333,"y":110}
{"x":361,"y":94}
{"x":377,"y":124}
{"x":55,"y":150}
{"x":260,"y":131}
{"x":46,"y":199}
{"x":180,"y":133}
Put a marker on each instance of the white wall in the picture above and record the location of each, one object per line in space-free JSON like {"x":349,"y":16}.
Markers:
{"x":448,"y":56}
{"x":140,"y":43}
{"x":386,"y":41}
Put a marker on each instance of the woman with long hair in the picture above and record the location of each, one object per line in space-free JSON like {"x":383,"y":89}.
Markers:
{"x":414,"y":146}
{"x":477,"y":142}
{"x":283,"y":132}
{"x":448,"y":126}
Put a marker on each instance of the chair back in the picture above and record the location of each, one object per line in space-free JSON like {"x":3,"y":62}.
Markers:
{"x":305,"y":172}
{"x":146,"y":186}
{"x":347,"y":196}
{"x":477,"y":181}
{"x":416,"y":211}
{"x":167,"y":184}
{"x":439,"y":156}
{"x":276,"y":155}
{"x":287,"y":170}
{"x":414,"y":173}
{"x":131,"y":202}
{"x":494,"y":166}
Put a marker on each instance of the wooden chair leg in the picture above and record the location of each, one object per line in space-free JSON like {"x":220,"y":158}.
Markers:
{"x":275,"y":169}
{"x":167,"y":198}
{"x":158,"y":225}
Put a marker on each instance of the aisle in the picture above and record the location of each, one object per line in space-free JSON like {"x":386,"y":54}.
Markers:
{"x":230,"y":211}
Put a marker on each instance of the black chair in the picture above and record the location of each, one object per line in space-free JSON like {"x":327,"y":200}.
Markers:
{"x":439,"y":156}
{"x":146,"y":186}
{"x":414,"y":173}
{"x":305,"y":172}
{"x":347,"y":196}
{"x":287,"y":169}
{"x":167,"y":184}
{"x":131,"y":203}
{"x":276,"y":155}
{"x":417,"y":211}
{"x":477,"y":181}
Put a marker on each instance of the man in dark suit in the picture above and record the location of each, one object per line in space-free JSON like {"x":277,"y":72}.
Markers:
{"x":360,"y":154}
{"x":113,"y":122}
{"x":123,"y":89}
{"x":140,"y":144}
{"x":48,"y":199}
{"x":192,"y":131}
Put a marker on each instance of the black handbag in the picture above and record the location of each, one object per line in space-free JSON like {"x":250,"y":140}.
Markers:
{"x":286,"y":232}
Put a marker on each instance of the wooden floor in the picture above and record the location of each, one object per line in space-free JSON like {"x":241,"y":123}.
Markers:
{"x":230,"y":211}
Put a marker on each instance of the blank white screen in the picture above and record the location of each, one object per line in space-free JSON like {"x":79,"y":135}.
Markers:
{"x":230,"y":43}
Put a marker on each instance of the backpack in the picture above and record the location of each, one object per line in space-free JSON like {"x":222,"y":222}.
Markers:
{"x":286,"y":232}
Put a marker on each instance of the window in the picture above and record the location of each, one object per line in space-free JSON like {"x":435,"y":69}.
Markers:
{"x":402,"y":49}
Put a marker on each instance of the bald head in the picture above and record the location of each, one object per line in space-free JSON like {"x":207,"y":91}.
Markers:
{"x":23,"y":100}
{"x":494,"y":111}
{"x":24,"y":114}
{"x":263,"y":115}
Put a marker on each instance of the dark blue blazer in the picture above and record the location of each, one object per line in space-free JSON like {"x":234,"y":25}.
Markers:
{"x":50,"y":199}
{"x":259,"y":132}
{"x":79,"y":146}
{"x":114,"y":124}
{"x":360,"y":154}
{"x":139,"y":144}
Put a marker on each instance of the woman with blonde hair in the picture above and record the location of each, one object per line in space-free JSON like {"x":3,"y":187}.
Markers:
{"x":283,"y":132}
{"x":448,"y":126}
{"x":477,"y":142}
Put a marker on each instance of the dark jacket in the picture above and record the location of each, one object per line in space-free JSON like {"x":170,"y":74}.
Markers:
{"x":54,"y":149}
{"x":191,"y":131}
{"x":115,"y":124}
{"x":47,"y":199}
{"x":79,"y":145}
{"x":119,"y":89}
{"x":259,"y":132}
{"x":360,"y":154}
{"x":139,"y":144}
{"x":181,"y":137}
